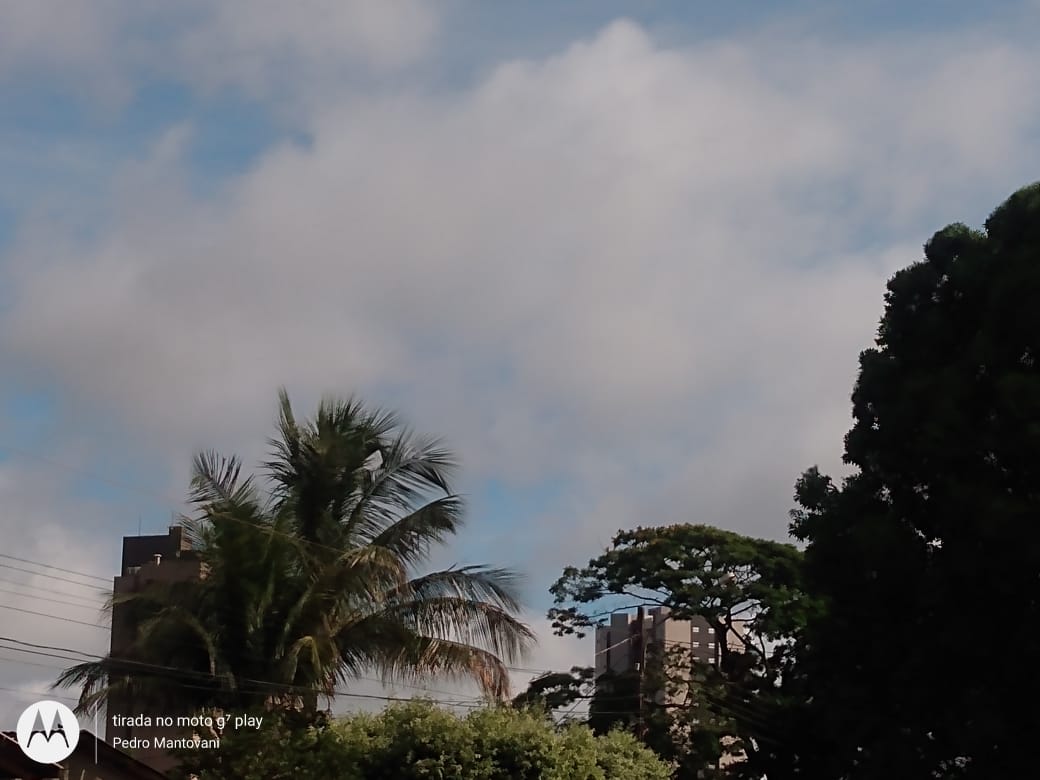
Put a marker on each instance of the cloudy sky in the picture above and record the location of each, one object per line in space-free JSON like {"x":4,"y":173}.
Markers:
{"x":621,"y":255}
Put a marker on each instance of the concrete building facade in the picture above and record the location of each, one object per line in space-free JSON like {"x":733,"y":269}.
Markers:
{"x":621,"y":647}
{"x":164,"y":558}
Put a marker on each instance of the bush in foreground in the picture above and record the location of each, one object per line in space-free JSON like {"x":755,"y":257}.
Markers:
{"x":418,"y":740}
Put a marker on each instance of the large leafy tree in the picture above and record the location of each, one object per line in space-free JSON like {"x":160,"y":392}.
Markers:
{"x":725,"y":578}
{"x":317,"y":579}
{"x":923,"y":664}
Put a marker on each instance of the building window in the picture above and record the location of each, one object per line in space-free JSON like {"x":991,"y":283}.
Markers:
{"x":696,"y":644}
{"x":696,"y":629}
{"x":711,"y":645}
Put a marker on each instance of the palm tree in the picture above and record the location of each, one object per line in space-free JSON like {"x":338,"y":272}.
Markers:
{"x":315,"y":581}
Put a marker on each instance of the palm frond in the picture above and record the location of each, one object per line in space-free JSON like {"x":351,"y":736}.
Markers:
{"x":215,"y":480}
{"x":467,"y":621}
{"x":287,"y":445}
{"x":411,"y":537}
{"x":432,"y":657}
{"x":91,"y":677}
{"x":174,"y":621}
{"x":319,"y":657}
{"x":483,"y":583}
{"x":412,"y":470}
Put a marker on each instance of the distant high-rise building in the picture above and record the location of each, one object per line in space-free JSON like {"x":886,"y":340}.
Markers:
{"x":622,"y":649}
{"x":618,"y":647}
{"x":164,"y":558}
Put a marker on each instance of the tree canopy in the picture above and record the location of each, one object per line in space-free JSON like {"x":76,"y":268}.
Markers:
{"x":417,"y":741}
{"x":927,"y":556}
{"x":746,"y":589}
{"x":556,"y":690}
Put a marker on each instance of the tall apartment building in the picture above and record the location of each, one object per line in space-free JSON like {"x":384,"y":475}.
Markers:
{"x":622,"y":648}
{"x":619,"y":650}
{"x":146,"y":559}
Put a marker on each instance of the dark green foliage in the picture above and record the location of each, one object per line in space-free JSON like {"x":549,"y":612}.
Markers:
{"x":556,"y":690}
{"x":725,"y":578}
{"x":417,"y":741}
{"x":613,"y":698}
{"x":289,"y":746}
{"x":614,"y":702}
{"x":927,"y":558}
{"x":693,"y":570}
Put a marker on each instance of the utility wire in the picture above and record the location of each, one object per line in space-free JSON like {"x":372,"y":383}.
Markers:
{"x":746,"y":713}
{"x":518,"y":669}
{"x":55,"y":617}
{"x":36,"y":646}
{"x":23,"y":662}
{"x":43,"y":654}
{"x":91,"y":601}
{"x":57,"y":568}
{"x":265,"y":685}
{"x":35,"y":695}
{"x":166,"y":499}
{"x":44,"y":598}
{"x":108,"y":628}
{"x":53,"y":577}
{"x":98,"y":657}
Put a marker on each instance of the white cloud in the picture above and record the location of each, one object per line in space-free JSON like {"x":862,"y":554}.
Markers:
{"x":265,"y":48}
{"x":644,"y":273}
{"x":270,"y":46}
{"x":42,"y":526}
{"x":48,"y":39}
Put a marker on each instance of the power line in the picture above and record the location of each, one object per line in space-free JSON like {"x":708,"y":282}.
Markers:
{"x":23,"y":662}
{"x":523,"y":670}
{"x":40,"y":652}
{"x":44,"y":598}
{"x":52,"y":577}
{"x":746,"y":713}
{"x":36,"y":646}
{"x":55,"y":617}
{"x":616,"y":644}
{"x":56,"y":568}
{"x":107,"y":628}
{"x":92,"y":601}
{"x":38,"y":649}
{"x":569,"y":712}
{"x":266,"y":685}
{"x":154,"y":495}
{"x":34,"y":695}
{"x":165,"y":499}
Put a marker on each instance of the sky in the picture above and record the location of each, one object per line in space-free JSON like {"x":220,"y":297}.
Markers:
{"x":621,"y":256}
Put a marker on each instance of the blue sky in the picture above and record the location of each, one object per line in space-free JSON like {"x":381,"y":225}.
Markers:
{"x":46,"y":109}
{"x":621,"y":255}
